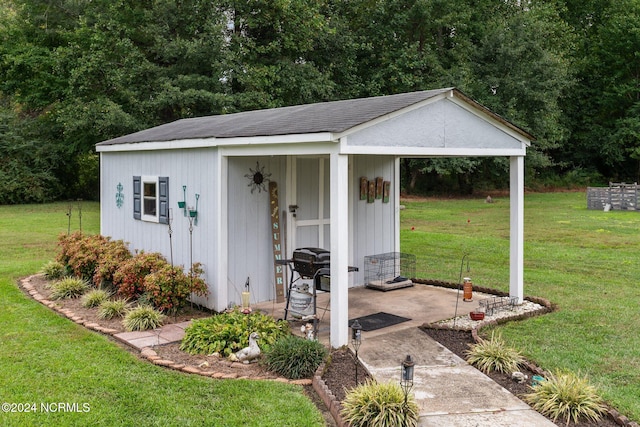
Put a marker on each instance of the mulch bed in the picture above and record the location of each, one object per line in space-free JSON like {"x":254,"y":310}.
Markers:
{"x":458,"y":342}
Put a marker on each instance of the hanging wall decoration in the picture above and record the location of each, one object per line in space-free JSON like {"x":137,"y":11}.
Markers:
{"x":371,"y":196}
{"x":386,"y":191}
{"x":257,"y":178}
{"x":373,"y":189}
{"x":119,"y":195}
{"x":364,"y":182}
{"x":379,"y":181}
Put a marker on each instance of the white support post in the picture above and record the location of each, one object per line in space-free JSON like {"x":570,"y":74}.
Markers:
{"x":339,"y":167}
{"x":220,"y":294}
{"x":516,"y":255}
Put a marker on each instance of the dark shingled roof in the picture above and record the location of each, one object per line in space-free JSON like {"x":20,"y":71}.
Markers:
{"x":336,"y":116}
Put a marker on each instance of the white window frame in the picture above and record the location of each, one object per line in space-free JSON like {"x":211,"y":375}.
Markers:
{"x":143,"y":215}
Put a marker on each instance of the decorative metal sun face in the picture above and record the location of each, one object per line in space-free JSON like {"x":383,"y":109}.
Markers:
{"x":257,"y":178}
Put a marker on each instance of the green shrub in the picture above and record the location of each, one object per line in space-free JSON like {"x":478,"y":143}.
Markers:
{"x":94,"y":298}
{"x":168,"y":287}
{"x":53,"y":270}
{"x":114,"y":254}
{"x":69,"y":287}
{"x":567,"y":396}
{"x":226,"y":333}
{"x":294,"y":357}
{"x":142,"y":318}
{"x":110,"y":309}
{"x":379,"y":405}
{"x":129,"y":278}
{"x":494,"y":355}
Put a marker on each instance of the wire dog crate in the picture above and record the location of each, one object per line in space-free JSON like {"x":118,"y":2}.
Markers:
{"x":392,"y":270}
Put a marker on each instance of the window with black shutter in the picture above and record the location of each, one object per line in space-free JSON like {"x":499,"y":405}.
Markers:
{"x":151,"y":198}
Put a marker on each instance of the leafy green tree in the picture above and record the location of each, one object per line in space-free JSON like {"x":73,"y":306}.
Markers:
{"x":607,"y":115}
{"x":270,"y":53}
{"x":523,"y":68}
{"x":26,"y":166}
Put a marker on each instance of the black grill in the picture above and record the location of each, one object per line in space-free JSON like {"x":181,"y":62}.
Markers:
{"x":307,"y":261}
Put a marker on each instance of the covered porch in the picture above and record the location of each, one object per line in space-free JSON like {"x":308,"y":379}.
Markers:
{"x":419,"y":304}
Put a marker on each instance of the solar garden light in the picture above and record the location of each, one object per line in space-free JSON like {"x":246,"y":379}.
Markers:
{"x":406,"y":376}
{"x":356,"y":340}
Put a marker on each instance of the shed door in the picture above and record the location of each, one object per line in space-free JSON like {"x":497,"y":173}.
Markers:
{"x":311,"y":222}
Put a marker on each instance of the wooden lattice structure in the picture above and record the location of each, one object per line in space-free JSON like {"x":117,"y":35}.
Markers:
{"x":617,"y":196}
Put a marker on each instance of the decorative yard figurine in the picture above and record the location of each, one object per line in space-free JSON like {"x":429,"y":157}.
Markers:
{"x":248,"y":354}
{"x":519,"y":377}
{"x":308,"y":331}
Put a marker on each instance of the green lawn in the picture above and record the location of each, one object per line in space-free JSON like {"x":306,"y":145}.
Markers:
{"x":46,"y":359}
{"x":584,"y":261}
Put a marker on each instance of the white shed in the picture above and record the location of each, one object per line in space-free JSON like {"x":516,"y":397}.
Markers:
{"x":317,"y":154}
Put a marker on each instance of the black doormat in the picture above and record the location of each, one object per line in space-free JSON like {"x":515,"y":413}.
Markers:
{"x":378,"y":321}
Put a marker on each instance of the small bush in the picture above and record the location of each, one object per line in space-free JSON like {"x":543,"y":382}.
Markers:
{"x":142,"y":318}
{"x":113,"y":308}
{"x":494,"y":355}
{"x":114,"y":253}
{"x":129,"y":278}
{"x":94,"y":298}
{"x":294,"y":357}
{"x":69,"y":287}
{"x":82,"y":253}
{"x":227,"y":333}
{"x":53,"y":270}
{"x":168,"y":287}
{"x":379,"y":405}
{"x":567,"y":396}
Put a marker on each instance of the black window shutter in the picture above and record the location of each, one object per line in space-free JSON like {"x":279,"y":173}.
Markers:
{"x":137,"y":197}
{"x":163,"y":199}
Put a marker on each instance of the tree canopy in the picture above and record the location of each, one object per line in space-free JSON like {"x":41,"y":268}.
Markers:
{"x":75,"y":72}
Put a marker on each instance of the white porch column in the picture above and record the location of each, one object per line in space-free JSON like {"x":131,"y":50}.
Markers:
{"x":220,"y":294}
{"x":516,"y":199}
{"x":339,"y":182}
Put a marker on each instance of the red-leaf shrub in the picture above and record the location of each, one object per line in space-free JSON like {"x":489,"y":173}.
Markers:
{"x":81,"y":253}
{"x":114,"y":254}
{"x":129,"y":278}
{"x":169,"y":287}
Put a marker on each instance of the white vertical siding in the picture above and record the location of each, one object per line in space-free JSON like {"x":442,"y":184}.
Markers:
{"x":250,"y":241}
{"x":192,"y":168}
{"x":373,"y":223}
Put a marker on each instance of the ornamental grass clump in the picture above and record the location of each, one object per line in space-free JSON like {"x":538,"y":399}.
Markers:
{"x":494,"y":355}
{"x":142,"y":318}
{"x":111,"y":309}
{"x":69,"y":287}
{"x":568,"y":396}
{"x":294,"y":357}
{"x":94,"y":298}
{"x":375,"y":404}
{"x":53,"y":270}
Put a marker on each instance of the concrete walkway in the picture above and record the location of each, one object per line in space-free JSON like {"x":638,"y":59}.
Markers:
{"x":448,"y":391}
{"x":165,"y":335}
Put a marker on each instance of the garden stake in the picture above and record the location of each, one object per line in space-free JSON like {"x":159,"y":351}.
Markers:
{"x":170,"y":233}
{"x":69,"y":209}
{"x":80,"y":213}
{"x":455,"y":315}
{"x":191,"y":249}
